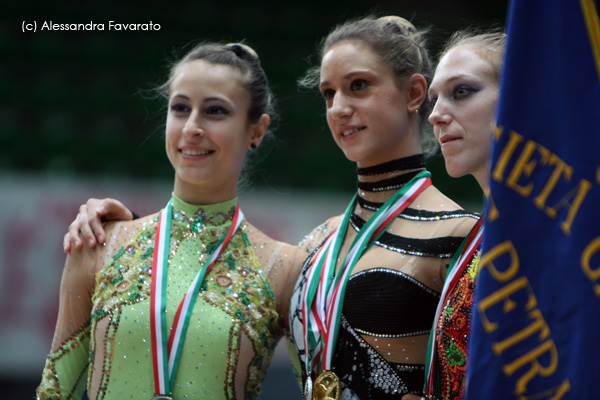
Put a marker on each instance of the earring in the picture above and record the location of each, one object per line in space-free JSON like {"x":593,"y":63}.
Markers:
{"x":253,"y":146}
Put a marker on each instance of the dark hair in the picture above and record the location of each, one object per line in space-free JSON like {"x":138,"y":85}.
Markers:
{"x":244,"y":59}
{"x":238,"y":56}
{"x":398,"y":43}
{"x":490,"y":45}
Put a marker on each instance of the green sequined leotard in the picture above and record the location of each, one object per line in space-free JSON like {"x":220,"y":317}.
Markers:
{"x":232,"y":333}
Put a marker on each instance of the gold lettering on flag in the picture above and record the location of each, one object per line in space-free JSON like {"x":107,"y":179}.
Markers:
{"x":518,"y":299}
{"x":593,"y":274}
{"x":531,"y":157}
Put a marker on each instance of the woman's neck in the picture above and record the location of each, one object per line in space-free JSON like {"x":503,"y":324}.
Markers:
{"x":482,"y":176}
{"x":416,"y":161}
{"x":378,"y":183}
{"x":203,"y":195}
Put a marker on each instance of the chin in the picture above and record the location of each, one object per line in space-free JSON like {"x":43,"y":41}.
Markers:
{"x":455,"y":171}
{"x":364,"y":158}
{"x":351,"y":156}
{"x":191,"y":179}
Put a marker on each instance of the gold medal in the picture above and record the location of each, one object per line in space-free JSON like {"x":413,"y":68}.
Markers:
{"x":327,"y":387}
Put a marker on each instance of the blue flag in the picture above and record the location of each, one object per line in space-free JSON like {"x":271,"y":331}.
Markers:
{"x":536,"y":319}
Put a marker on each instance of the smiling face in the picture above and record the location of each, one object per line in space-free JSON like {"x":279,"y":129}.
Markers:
{"x":368,"y":112}
{"x":464,"y":91}
{"x":208,"y":132}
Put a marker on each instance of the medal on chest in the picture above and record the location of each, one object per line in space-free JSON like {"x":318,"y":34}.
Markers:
{"x":324,"y":291}
{"x":327,"y":387}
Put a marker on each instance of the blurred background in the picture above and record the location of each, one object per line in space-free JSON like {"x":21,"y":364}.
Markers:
{"x":77,"y":121}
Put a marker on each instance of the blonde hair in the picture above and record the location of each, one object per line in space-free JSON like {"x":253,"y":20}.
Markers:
{"x":489,"y":45}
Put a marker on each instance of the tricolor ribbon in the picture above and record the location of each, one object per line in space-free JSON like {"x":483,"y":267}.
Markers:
{"x":324,"y":292}
{"x":166,"y":349}
{"x":458,"y":264}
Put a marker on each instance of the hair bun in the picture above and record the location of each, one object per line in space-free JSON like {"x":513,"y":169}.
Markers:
{"x":404,"y":26}
{"x":243,"y":51}
{"x":394,"y":19}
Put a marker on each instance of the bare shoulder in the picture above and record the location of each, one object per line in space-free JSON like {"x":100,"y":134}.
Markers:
{"x":282,"y":262}
{"x":261,"y":241}
{"x":319,"y":233}
{"x":459,"y":221}
{"x":433,"y":199}
{"x":331,"y":223}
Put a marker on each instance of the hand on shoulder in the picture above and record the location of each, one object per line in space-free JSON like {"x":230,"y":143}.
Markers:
{"x":88,"y":226}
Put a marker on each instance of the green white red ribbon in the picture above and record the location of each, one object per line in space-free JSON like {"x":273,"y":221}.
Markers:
{"x":458,"y":264}
{"x":323,"y":295}
{"x":166,"y":349}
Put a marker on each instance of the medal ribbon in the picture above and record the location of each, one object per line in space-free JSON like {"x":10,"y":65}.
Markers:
{"x":458,"y":264}
{"x":166,"y":349}
{"x":323,"y":295}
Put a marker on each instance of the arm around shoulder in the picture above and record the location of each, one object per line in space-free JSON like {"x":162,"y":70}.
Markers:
{"x":65,"y":371}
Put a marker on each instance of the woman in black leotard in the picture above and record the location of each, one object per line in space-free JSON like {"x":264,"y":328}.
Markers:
{"x":373,"y":77}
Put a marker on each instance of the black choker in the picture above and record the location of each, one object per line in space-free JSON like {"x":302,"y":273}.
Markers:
{"x":393,"y":183}
{"x":401,"y":164}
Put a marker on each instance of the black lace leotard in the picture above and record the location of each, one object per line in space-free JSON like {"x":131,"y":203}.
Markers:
{"x":381,"y":301}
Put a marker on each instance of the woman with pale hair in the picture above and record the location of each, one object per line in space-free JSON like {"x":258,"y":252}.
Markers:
{"x":464,"y":93}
